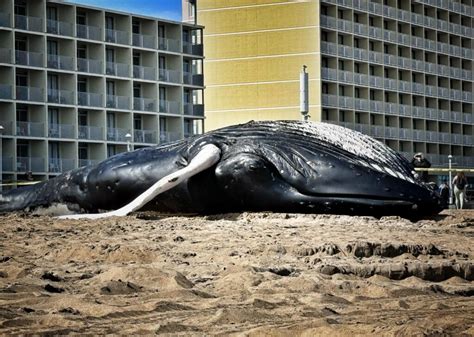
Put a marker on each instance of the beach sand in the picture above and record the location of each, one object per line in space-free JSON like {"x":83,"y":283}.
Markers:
{"x":248,"y":274}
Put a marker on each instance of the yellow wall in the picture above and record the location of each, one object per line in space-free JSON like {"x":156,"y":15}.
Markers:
{"x":254,"y":51}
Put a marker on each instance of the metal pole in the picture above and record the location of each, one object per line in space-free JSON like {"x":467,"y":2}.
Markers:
{"x":1,"y":157}
{"x":128,"y":137}
{"x":304,"y":104}
{"x":450,"y":157}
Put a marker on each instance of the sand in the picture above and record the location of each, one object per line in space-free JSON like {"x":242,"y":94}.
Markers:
{"x":249,"y":274}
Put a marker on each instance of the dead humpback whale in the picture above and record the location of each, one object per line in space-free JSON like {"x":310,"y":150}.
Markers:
{"x":282,"y":166}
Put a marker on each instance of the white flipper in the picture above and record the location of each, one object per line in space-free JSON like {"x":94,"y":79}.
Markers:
{"x":207,"y":157}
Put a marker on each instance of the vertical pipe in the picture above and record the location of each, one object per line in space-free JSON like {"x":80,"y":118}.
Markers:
{"x":304,"y":104}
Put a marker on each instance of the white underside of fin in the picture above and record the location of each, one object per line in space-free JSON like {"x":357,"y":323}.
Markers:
{"x":207,"y":157}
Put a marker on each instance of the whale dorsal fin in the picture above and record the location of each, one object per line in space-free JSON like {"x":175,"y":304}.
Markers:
{"x":205,"y":158}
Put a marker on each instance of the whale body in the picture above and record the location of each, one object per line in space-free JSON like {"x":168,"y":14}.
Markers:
{"x":281,"y":166}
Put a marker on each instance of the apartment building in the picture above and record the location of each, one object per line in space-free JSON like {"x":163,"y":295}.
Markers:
{"x":398,"y":70}
{"x":79,"y":84}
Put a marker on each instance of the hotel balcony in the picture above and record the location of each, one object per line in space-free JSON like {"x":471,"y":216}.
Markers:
{"x":87,"y":162}
{"x":90,"y":132}
{"x":30,"y":129}
{"x":5,"y":55}
{"x":171,"y":107}
{"x":57,"y":165}
{"x":60,"y":62}
{"x":116,"y":36}
{"x":117,"y":134}
{"x":145,"y":73}
{"x":145,"y":136}
{"x":193,"y":49}
{"x":6,"y":91}
{"x":30,"y":23}
{"x":118,"y":102}
{"x":194,"y":109}
{"x":167,"y":136}
{"x":59,"y":27}
{"x":89,"y":99}
{"x":5,"y":20}
{"x":29,"y":164}
{"x":142,"y":40}
{"x":169,"y":75}
{"x":7,"y":128}
{"x":171,"y":45}
{"x":88,"y":32}
{"x":61,"y":131}
{"x":117,"y":69}
{"x":29,"y":94}
{"x":144,"y":104}
{"x":28,"y":58}
{"x":193,"y":79}
{"x":89,"y":66}
{"x":60,"y":96}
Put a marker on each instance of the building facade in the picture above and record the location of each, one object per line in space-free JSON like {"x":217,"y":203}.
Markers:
{"x":398,"y":70}
{"x":79,"y":84}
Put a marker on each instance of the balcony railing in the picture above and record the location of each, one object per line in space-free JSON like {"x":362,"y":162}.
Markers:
{"x":145,"y":136}
{"x":7,"y":128}
{"x":146,"y":73}
{"x":60,"y":62}
{"x":30,"y":129}
{"x":169,"y":75}
{"x":6,"y":91}
{"x":90,"y":132}
{"x":5,"y":20}
{"x":193,"y":79}
{"x":88,"y":32}
{"x":167,"y":136}
{"x":116,"y":36}
{"x":31,"y":23}
{"x":171,"y":107}
{"x":118,"y":102}
{"x":5,"y":55}
{"x":29,"y":94}
{"x":117,"y":69}
{"x":61,"y":130}
{"x":28,"y":58}
{"x":7,"y":164}
{"x":87,"y":162}
{"x":89,"y":99}
{"x":29,"y":164}
{"x":89,"y":66}
{"x":145,"y":41}
{"x":60,"y":96}
{"x":191,"y":48}
{"x":144,"y":104}
{"x":194,"y":109}
{"x":59,"y":27}
{"x":117,"y":134}
{"x":168,"y":44}
{"x":58,"y":165}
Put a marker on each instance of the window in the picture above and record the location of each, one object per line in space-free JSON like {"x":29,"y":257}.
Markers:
{"x":111,"y":150}
{"x":21,"y":79}
{"x":162,"y":93}
{"x":20,"y":8}
{"x":109,"y":22}
{"x":82,"y":118}
{"x":82,"y":51}
{"x":136,"y":27}
{"x":81,"y":18}
{"x":161,"y":62}
{"x":136,"y":58}
{"x":110,"y":55}
{"x":21,"y":43}
{"x":161,"y":31}
{"x":110,"y":88}
{"x":137,"y":90}
{"x":52,"y":47}
{"x":83,"y":151}
{"x":82,"y":85}
{"x":137,"y":122}
{"x":340,"y":39}
{"x":357,"y":93}
{"x":52,"y":13}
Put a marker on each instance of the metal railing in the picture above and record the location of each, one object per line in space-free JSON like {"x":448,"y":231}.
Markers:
{"x":61,"y":130}
{"x":167,"y":136}
{"x":59,"y":27}
{"x":87,"y":162}
{"x":171,"y":107}
{"x":192,"y":48}
{"x":116,"y":36}
{"x":29,"y":164}
{"x":145,"y":136}
{"x":117,"y":134}
{"x":194,"y":109}
{"x":142,"y":40}
{"x":146,"y":73}
{"x":29,"y":94}
{"x":30,"y":129}
{"x":90,"y":132}
{"x":168,"y":75}
{"x":89,"y":99}
{"x":60,"y":62}
{"x":193,"y":79}
{"x":6,"y":91}
{"x":5,"y":20}
{"x":144,"y":104}
{"x":28,"y":58}
{"x":7,"y":128}
{"x":118,"y":102}
{"x":88,"y":32}
{"x":172,"y":45}
{"x":89,"y":66}
{"x":60,"y":96}
{"x":5,"y":55}
{"x":117,"y":69}
{"x":29,"y":23}
{"x":58,"y":165}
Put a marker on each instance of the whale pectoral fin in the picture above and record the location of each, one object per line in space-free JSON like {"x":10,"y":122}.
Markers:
{"x":206,"y":158}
